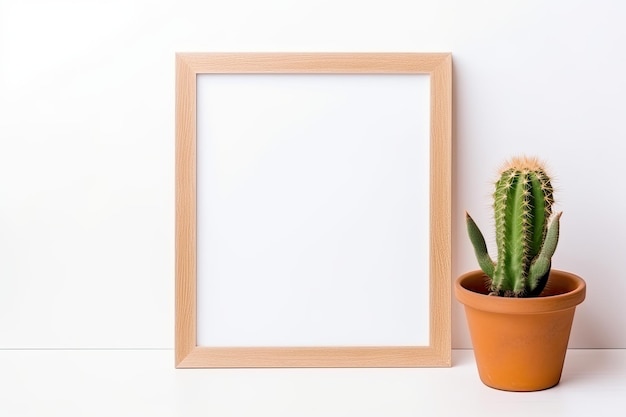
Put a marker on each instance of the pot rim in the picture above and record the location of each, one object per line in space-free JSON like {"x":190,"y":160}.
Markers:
{"x":573,"y":295}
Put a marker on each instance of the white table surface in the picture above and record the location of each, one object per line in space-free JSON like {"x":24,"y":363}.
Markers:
{"x":116,"y":383}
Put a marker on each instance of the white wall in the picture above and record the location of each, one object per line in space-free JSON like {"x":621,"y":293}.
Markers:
{"x":87,"y":150}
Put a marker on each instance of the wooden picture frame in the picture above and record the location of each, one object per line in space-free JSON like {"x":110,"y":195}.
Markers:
{"x":437,"y":352}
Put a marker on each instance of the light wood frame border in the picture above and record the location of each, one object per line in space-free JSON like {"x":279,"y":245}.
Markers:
{"x":438,"y":353}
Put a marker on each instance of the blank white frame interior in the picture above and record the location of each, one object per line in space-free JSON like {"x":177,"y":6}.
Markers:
{"x":313,"y":224}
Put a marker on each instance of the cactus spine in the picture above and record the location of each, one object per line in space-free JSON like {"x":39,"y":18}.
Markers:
{"x":525,"y":239}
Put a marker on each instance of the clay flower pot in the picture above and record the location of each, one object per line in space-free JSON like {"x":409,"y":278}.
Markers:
{"x":520,"y":343}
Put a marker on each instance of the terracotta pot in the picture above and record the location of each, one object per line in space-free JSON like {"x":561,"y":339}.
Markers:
{"x":520,"y":343}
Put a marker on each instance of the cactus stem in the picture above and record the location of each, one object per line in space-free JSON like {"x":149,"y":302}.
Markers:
{"x":522,"y":202}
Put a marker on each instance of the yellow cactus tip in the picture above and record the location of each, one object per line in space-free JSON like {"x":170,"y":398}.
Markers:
{"x":523,"y":163}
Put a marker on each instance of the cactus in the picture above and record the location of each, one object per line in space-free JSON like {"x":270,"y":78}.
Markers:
{"x":525,"y":238}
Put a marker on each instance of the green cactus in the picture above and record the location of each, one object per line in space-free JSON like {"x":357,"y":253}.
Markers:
{"x":525,"y":241}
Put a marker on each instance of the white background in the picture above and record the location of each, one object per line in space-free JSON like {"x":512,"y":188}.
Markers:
{"x":313,"y":220}
{"x":87,"y":142}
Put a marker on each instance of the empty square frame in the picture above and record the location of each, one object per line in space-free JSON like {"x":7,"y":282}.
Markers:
{"x":313,"y":209}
